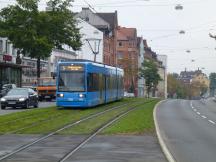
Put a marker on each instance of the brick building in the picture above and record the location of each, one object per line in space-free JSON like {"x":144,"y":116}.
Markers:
{"x":127,"y":57}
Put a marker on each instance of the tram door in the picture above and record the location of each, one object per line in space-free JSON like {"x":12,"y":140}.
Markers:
{"x":102,"y":88}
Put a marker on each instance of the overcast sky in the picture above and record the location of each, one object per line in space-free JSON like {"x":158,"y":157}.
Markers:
{"x":159,"y":22}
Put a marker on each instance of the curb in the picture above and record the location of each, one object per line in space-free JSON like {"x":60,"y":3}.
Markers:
{"x":164,"y":148}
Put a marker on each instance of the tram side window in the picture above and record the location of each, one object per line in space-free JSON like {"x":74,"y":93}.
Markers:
{"x":93,"y":82}
{"x":120,"y":80}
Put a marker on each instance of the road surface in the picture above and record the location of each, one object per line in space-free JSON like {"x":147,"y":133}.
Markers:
{"x":11,"y":110}
{"x":188,"y":129}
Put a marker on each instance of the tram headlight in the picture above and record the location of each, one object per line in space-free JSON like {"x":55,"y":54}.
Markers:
{"x":82,"y":95}
{"x":60,"y":95}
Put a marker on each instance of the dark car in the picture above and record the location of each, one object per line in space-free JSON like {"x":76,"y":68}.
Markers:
{"x":20,"y":97}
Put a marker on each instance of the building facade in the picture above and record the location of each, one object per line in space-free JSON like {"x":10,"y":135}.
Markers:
{"x":89,"y":32}
{"x":162,"y":70}
{"x":29,"y":71}
{"x":127,"y":57}
{"x":141,"y":81}
{"x":10,"y":72}
{"x":106,"y":23}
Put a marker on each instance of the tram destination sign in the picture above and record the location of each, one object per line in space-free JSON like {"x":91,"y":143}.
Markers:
{"x":71,"y":68}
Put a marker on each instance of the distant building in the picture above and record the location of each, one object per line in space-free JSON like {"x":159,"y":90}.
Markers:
{"x":88,"y":31}
{"x":162,"y":86}
{"x":149,"y":54}
{"x":187,"y":76}
{"x":161,"y":63}
{"x":127,"y":57}
{"x":141,"y":81}
{"x":10,"y":72}
{"x":29,"y":72}
{"x":201,"y":78}
{"x":106,"y":23}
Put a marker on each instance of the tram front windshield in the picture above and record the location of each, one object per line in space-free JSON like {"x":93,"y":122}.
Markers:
{"x":71,"y":78}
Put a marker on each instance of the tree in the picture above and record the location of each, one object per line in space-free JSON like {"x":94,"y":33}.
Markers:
{"x":130,"y":72}
{"x":172,"y":85}
{"x":212,"y":78}
{"x":175,"y":88}
{"x":149,"y":71}
{"x":36,"y":33}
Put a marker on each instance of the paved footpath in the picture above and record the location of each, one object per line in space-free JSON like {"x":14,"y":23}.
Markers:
{"x":143,"y":148}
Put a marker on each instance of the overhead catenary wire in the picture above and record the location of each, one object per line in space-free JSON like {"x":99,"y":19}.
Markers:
{"x":135,"y":3}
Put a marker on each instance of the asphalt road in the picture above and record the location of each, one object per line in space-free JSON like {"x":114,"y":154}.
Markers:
{"x":189,"y":129}
{"x":12,"y":110}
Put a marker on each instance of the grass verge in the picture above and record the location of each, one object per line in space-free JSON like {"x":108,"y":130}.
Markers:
{"x":137,"y":122}
{"x":89,"y":126}
{"x":55,"y":118}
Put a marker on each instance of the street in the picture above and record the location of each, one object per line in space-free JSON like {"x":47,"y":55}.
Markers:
{"x":188,"y":129}
{"x":12,"y":110}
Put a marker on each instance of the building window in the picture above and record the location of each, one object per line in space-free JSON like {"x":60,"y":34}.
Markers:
{"x":120,"y":44}
{"x":87,"y":19}
{"x":120,"y":55}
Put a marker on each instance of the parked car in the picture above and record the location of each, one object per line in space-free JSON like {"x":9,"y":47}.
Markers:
{"x":20,"y":97}
{"x":6,"y":88}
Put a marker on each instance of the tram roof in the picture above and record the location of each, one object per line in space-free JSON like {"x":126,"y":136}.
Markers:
{"x":83,"y":61}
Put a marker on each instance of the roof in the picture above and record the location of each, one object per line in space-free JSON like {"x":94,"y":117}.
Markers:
{"x":100,"y":20}
{"x":126,"y":33}
{"x":111,"y":18}
{"x":190,"y":73}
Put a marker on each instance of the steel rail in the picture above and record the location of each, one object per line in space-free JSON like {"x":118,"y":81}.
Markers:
{"x":79,"y":146}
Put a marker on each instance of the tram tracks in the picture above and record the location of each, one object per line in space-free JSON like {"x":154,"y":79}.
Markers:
{"x":26,"y":125}
{"x":117,"y":117}
{"x":95,"y":133}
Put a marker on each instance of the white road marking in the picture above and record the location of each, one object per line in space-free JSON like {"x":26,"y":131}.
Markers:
{"x":198,"y":113}
{"x":204,"y":117}
{"x":211,"y":121}
{"x":195,"y":109}
{"x":191,"y":105}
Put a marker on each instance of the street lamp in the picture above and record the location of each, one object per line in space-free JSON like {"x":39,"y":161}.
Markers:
{"x":181,"y":32}
{"x":94,"y":45}
{"x":179,"y":7}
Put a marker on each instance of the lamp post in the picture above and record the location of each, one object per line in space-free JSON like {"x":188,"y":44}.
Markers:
{"x":94,"y":45}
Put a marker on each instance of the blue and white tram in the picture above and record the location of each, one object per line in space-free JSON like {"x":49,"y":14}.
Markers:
{"x":83,"y":83}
